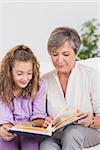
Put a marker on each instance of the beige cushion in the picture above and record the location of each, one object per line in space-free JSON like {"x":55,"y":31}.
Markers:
{"x":97,"y":147}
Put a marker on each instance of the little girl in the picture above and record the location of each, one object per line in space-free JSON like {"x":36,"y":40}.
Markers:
{"x":22,"y":97}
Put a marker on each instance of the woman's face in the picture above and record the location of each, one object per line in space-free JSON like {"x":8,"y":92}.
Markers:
{"x":22,"y":73}
{"x":63,"y":58}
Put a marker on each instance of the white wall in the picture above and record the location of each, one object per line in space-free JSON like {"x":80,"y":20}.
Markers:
{"x":31,"y":22}
{"x":91,"y":62}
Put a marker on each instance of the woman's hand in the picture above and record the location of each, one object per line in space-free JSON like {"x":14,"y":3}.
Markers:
{"x":48,"y":120}
{"x":86,"y":122}
{"x":5,"y":135}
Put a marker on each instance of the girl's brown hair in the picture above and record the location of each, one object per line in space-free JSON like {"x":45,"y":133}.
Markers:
{"x":20,"y":53}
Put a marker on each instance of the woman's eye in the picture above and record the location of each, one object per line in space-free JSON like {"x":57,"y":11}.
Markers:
{"x":54,"y":54}
{"x":66,"y":55}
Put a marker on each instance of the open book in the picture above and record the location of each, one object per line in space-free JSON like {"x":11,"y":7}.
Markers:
{"x":26,"y":129}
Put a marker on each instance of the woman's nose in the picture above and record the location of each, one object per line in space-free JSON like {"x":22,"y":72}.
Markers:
{"x":60,"y":59}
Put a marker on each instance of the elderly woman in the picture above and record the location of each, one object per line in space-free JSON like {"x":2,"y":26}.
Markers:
{"x":75,"y":86}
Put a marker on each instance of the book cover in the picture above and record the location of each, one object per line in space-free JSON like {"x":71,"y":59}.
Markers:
{"x":27,"y":129}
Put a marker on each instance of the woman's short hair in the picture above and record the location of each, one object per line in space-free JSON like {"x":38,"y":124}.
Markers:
{"x":61,"y":35}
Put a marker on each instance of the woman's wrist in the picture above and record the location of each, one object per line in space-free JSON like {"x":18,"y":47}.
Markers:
{"x":92,"y":124}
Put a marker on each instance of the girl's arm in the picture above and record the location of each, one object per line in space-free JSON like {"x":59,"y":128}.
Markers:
{"x":6,"y":115}
{"x":5,"y":135}
{"x":39,"y":107}
{"x":6,"y":121}
{"x":38,"y":122}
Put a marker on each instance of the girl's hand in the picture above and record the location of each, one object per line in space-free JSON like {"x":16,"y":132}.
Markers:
{"x":86,"y":122}
{"x":5,"y":135}
{"x":48,"y":120}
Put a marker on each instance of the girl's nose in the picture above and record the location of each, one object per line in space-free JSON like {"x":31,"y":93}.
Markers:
{"x":25,"y":77}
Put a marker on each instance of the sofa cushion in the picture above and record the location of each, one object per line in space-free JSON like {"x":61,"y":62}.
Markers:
{"x":92,"y":62}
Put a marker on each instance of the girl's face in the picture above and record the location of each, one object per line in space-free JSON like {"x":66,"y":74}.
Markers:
{"x":22,"y":73}
{"x":63,"y":58}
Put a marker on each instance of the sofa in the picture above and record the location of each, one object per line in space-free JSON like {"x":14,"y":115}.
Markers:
{"x":91,"y":62}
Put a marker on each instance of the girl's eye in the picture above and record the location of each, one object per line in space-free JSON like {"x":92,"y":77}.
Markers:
{"x":29,"y":73}
{"x":19,"y":74}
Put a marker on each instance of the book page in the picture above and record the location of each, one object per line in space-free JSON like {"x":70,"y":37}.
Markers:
{"x":68,"y":120}
{"x":27,"y":128}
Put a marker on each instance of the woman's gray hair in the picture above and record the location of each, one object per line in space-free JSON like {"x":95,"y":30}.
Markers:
{"x":62,"y":34}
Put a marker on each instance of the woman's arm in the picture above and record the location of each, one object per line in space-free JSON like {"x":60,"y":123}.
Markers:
{"x":90,"y":121}
{"x":95,"y":123}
